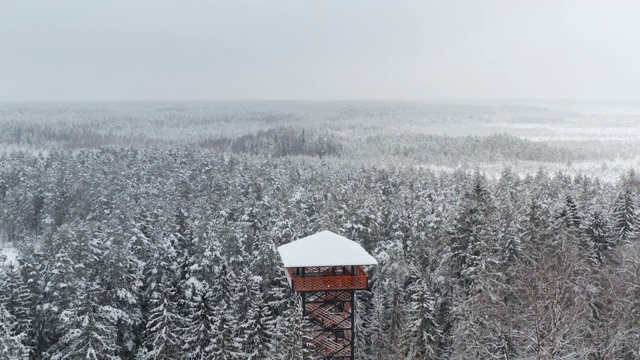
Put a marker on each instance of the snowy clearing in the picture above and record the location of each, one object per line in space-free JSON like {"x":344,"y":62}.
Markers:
{"x":10,"y":252}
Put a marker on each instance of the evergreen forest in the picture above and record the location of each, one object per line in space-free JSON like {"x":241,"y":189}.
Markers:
{"x":169,"y":252}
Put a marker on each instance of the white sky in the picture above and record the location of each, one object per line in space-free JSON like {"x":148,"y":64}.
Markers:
{"x":323,"y":50}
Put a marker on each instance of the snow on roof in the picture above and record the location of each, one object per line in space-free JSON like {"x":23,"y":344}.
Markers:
{"x":324,"y":249}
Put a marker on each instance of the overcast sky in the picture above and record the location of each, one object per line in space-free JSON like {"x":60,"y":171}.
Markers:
{"x":318,"y":50}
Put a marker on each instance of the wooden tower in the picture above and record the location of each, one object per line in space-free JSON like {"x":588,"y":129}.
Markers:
{"x":326,"y":269}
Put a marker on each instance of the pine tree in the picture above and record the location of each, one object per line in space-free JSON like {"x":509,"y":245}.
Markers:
{"x":397,"y":323}
{"x":569,"y":214}
{"x":256,"y":332}
{"x":57,"y":282}
{"x":265,"y":264}
{"x":162,"y":335}
{"x":199,"y":333}
{"x":380,"y":343}
{"x":423,"y":336}
{"x":473,"y":235}
{"x":121,"y":282}
{"x":89,"y":332}
{"x":17,"y":299}
{"x":223,"y":344}
{"x":292,"y":340}
{"x":11,"y":345}
{"x":626,"y":219}
{"x":566,"y":226}
{"x":363,"y":323}
{"x":225,"y":321}
{"x":598,"y":235}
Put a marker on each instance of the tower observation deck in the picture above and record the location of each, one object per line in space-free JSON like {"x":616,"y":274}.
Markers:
{"x":327,"y":269}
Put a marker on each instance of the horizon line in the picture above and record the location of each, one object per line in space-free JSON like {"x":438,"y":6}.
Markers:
{"x":239,"y":100}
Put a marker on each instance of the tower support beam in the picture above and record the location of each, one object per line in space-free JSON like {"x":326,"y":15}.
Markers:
{"x":331,"y":315}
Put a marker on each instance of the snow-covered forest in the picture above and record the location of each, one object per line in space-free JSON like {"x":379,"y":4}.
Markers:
{"x":154,"y":236}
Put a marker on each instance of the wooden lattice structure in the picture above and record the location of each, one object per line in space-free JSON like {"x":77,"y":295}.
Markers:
{"x":326,"y":269}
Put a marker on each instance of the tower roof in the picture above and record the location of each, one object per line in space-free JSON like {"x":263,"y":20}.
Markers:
{"x":324,"y":249}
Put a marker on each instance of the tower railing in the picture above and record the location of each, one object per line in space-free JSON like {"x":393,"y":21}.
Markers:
{"x":321,"y":279}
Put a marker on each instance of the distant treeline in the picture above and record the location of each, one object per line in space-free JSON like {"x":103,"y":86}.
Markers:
{"x":282,"y":141}
{"x":354,"y":131}
{"x":62,"y":136}
{"x":286,"y":141}
{"x":278,"y":142}
{"x":446,"y":150}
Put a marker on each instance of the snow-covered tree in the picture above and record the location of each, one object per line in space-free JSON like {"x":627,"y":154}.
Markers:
{"x":625,"y":213}
{"x":88,"y":332}
{"x":422,"y":339}
{"x":17,"y":299}
{"x":598,"y":235}
{"x":11,"y":344}
{"x":255,"y":334}
{"x":199,"y":333}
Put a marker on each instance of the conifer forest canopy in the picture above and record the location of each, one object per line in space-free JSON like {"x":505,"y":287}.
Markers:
{"x":149,"y":230}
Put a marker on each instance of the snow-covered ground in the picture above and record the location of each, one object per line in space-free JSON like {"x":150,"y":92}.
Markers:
{"x":567,"y":131}
{"x":10,"y":252}
{"x":6,"y":249}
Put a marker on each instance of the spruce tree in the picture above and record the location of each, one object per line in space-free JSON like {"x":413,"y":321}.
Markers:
{"x":599,"y":237}
{"x":423,"y":336}
{"x":11,"y":345}
{"x":255,"y":334}
{"x":292,"y":340}
{"x":17,"y":299}
{"x":199,"y":333}
{"x":162,"y":337}
{"x":223,"y":343}
{"x":472,"y":238}
{"x":88,"y":330}
{"x":625,"y":214}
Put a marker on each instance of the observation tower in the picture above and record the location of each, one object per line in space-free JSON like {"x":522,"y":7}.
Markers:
{"x":326,"y":269}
